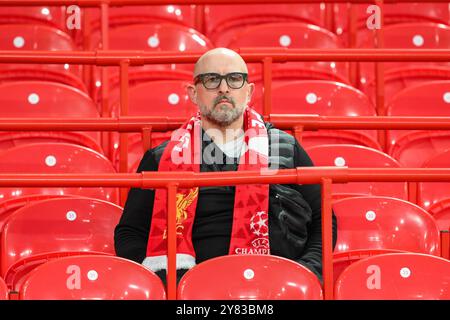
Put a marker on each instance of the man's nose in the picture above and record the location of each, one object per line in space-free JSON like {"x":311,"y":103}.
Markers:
{"x":223,"y":87}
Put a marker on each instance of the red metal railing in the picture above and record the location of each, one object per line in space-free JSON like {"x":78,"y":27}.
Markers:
{"x":267,"y":57}
{"x":147,"y":125}
{"x":322,"y":175}
{"x":296,"y":123}
{"x":310,"y":175}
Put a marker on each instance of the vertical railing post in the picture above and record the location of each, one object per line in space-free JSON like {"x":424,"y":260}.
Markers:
{"x":200,"y":18}
{"x":171,"y":241}
{"x":86,"y":35}
{"x":327,"y":239}
{"x":298,"y":133}
{"x":106,"y":136}
{"x":329,"y":16}
{"x":267,"y":78}
{"x":379,"y":78}
{"x":379,"y":66}
{"x":445,"y":244}
{"x":146,"y":134}
{"x":123,"y":140}
{"x":352,"y":31}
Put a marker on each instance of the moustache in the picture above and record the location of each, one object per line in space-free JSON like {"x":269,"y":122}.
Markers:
{"x":220,"y":98}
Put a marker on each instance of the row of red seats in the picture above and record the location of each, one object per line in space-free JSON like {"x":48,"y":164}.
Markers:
{"x":172,"y":37}
{"x":72,"y":225}
{"x":219,"y":21}
{"x":390,"y":276}
{"x":54,"y":157}
{"x":58,"y":157}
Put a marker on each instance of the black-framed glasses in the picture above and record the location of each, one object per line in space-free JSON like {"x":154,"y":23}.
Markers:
{"x":235,"y":80}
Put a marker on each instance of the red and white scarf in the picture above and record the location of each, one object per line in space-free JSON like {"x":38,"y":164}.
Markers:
{"x":250,"y":233}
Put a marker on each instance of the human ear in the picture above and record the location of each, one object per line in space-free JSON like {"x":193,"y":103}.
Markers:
{"x":251,"y":89}
{"x":192,"y":93}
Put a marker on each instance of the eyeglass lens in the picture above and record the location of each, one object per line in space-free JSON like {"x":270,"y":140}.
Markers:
{"x":234,"y":80}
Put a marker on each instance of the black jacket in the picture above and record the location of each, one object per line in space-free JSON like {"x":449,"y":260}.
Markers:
{"x":294,"y":210}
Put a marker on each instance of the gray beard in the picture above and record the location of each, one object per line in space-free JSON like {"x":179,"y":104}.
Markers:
{"x":220,"y":118}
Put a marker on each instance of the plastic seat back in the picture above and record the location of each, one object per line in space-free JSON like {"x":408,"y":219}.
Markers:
{"x":420,"y":35}
{"x":51,"y":16}
{"x":293,"y":35}
{"x":414,"y":149}
{"x":158,"y":98}
{"x":244,"y":277}
{"x":393,"y":14}
{"x":441,"y":213}
{"x":410,"y":102}
{"x":384,"y":223}
{"x":396,"y":80}
{"x":3,"y":290}
{"x":224,"y":21}
{"x":325,"y":98}
{"x":66,"y":224}
{"x":343,"y":259}
{"x":157,"y":37}
{"x":52,"y":158}
{"x":395,"y":276}
{"x":19,"y":37}
{"x":128,"y":15}
{"x":430,"y":194}
{"x":354,"y":156}
{"x":435,"y":95}
{"x":92,"y":278}
{"x":44,"y":99}
{"x":166,"y":98}
{"x":9,"y":206}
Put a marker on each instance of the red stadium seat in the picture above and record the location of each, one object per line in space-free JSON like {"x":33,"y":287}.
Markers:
{"x":396,"y":80}
{"x":328,"y":98}
{"x":292,"y":35}
{"x":441,"y":213}
{"x":92,"y":278}
{"x":413,"y":148}
{"x":366,"y":223}
{"x":8,"y":207}
{"x":38,"y":37}
{"x":34,"y":37}
{"x":138,"y":76}
{"x":223,"y":21}
{"x":431,"y":193}
{"x":325,"y":98}
{"x":354,"y":156}
{"x":393,"y":13}
{"x":46,"y":158}
{"x":158,"y":37}
{"x":395,"y":276}
{"x":244,"y":277}
{"x":343,"y":259}
{"x":154,"y":37}
{"x":168,"y":99}
{"x":51,"y":16}
{"x":416,"y":148}
{"x":44,"y":99}
{"x":4,"y":293}
{"x":407,"y":36}
{"x":128,"y":15}
{"x":56,"y":225}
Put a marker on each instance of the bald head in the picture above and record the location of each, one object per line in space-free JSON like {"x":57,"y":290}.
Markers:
{"x":218,"y":60}
{"x":221,"y":106}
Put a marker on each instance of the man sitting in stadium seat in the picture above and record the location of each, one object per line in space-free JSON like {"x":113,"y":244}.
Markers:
{"x":225,"y":135}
